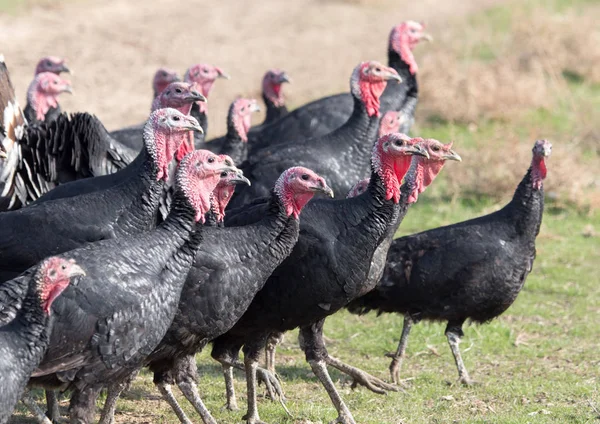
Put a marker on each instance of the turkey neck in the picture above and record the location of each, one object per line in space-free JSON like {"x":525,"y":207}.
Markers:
{"x":50,"y":116}
{"x":233,"y":145}
{"x":142,"y":189}
{"x":403,"y":69}
{"x":30,"y":326}
{"x":355,"y":138}
{"x":396,"y":96}
{"x":273,"y":112}
{"x":526,"y":207}
{"x":199,"y":138}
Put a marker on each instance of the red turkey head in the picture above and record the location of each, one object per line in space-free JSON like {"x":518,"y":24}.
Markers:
{"x":43,"y":92}
{"x":225,"y":188}
{"x":390,"y":123}
{"x":178,"y":95}
{"x":424,"y":170}
{"x":165,"y":131}
{"x":204,"y":76}
{"x":296,"y":186}
{"x":542,"y":149}
{"x":198,"y":175}
{"x":368,"y":82}
{"x":162,"y":78}
{"x":403,"y":39}
{"x":271,"y":86}
{"x":391,"y":160}
{"x":239,"y":117}
{"x":53,"y":277}
{"x":53,"y":64}
{"x":359,"y":188}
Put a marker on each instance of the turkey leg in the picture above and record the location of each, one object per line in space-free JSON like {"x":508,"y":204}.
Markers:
{"x":186,"y":375}
{"x":33,"y":407}
{"x":250,"y":364}
{"x":311,"y":342}
{"x":454,"y":333}
{"x":53,"y":411}
{"x":398,"y":357}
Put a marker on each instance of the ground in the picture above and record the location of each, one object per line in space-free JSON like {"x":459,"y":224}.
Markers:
{"x":499,"y":75}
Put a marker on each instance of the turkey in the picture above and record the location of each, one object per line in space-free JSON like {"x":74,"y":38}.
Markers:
{"x":25,"y":326}
{"x":113,"y":319}
{"x":390,"y":123}
{"x":202,"y":76}
{"x":177,"y":95}
{"x":53,"y":64}
{"x":222,"y":195}
{"x":470,"y":270}
{"x":421,"y":174}
{"x":162,"y":78}
{"x":326,"y":270}
{"x":273,"y":96}
{"x":325,"y":115}
{"x":42,"y":97}
{"x":39,"y":157}
{"x":235,"y":142}
{"x":126,"y":207}
{"x":341,"y":157}
{"x":274,"y":99}
{"x":230,"y":267}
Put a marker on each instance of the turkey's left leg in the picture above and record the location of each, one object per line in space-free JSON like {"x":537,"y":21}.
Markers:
{"x":114,"y":392}
{"x":273,"y":340}
{"x":33,"y":407}
{"x":311,"y":342}
{"x":53,"y":411}
{"x":398,"y":357}
{"x":454,"y":333}
{"x":251,"y":353}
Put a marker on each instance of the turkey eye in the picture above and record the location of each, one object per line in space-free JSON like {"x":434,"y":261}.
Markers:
{"x":178,"y":90}
{"x":305,"y":177}
{"x":163,"y":74}
{"x":243,"y":109}
{"x":435,"y":148}
{"x":54,"y":82}
{"x":176,"y":118}
{"x":63,"y":266}
{"x":223,"y":174}
{"x":398,"y":143}
{"x":378,"y":69}
{"x":211,"y":160}
{"x":205,"y":71}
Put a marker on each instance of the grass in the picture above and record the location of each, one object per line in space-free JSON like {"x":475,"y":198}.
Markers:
{"x":536,"y":363}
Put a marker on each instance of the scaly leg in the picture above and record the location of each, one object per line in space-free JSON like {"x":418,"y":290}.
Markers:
{"x":53,"y":411}
{"x":251,"y":364}
{"x":311,"y":342}
{"x":167,"y":393}
{"x":186,"y":373}
{"x":110,"y":405}
{"x":454,"y":333}
{"x":272,"y":342}
{"x":398,"y":357}
{"x":82,"y":408}
{"x":229,"y":388}
{"x":33,"y":407}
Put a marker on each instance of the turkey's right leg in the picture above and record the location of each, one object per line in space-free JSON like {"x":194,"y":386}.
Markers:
{"x":186,"y":375}
{"x":227,"y":354}
{"x":454,"y":333}
{"x":164,"y":380}
{"x":398,"y":357}
{"x":33,"y":407}
{"x":272,"y":341}
{"x":82,"y":408}
{"x":53,"y":411}
{"x":311,"y":342}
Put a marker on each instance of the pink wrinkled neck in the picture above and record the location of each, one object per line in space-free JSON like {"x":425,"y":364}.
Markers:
{"x":370,"y":92}
{"x":41,"y":102}
{"x":425,"y":172}
{"x":391,"y":171}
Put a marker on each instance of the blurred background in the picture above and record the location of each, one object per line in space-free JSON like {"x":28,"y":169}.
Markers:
{"x":500,"y":74}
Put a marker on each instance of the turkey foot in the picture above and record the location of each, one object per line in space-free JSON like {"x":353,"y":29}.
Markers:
{"x":231,"y":404}
{"x":274,"y":389}
{"x":398,"y":356}
{"x":319,"y":367}
{"x":360,"y":377}
{"x":453,"y":336}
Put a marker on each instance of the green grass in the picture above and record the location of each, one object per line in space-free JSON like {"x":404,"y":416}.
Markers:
{"x":537,"y":363}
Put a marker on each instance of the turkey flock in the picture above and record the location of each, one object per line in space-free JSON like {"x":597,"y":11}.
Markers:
{"x":139,"y":247}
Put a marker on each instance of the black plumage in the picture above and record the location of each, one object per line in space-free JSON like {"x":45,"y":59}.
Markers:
{"x":471,"y":270}
{"x":326,"y":269}
{"x":25,"y":324}
{"x":341,"y":157}
{"x":324,"y":115}
{"x":106,"y":326}
{"x":125,"y":207}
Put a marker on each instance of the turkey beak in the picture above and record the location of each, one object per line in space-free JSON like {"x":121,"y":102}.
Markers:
{"x":240,"y":179}
{"x":254,"y":107}
{"x":391,"y":74}
{"x":426,"y":37}
{"x":193,"y":125}
{"x":195,"y":96}
{"x":223,"y":75}
{"x":68,"y":89}
{"x":76,"y":271}
{"x":283,"y":77}
{"x":452,"y":155}
{"x":64,"y":68}
{"x":324,"y":188}
{"x":418,"y":150}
